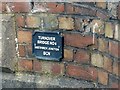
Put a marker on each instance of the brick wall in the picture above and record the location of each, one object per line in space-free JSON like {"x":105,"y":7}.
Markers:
{"x":91,"y":42}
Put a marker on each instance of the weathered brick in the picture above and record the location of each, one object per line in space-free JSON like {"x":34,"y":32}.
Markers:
{"x":69,"y":8}
{"x":81,"y":57}
{"x":46,"y":67}
{"x":103,"y":45}
{"x":103,"y":77}
{"x":97,"y":60}
{"x":22,"y":51}
{"x":117,"y":32}
{"x":20,"y":21}
{"x":107,"y":64}
{"x":85,"y":11}
{"x":68,"y":54}
{"x":98,"y":26}
{"x":51,"y":22}
{"x":114,"y":48}
{"x":32,"y":21}
{"x":39,"y":7}
{"x":25,"y":65}
{"x":24,"y":36}
{"x":102,"y":15}
{"x":102,"y":5}
{"x":116,"y":68}
{"x":66,"y":23}
{"x":57,"y":69}
{"x":29,"y":50}
{"x":55,"y":7}
{"x":88,"y":73}
{"x":37,"y":66}
{"x":77,"y":40}
{"x":78,"y":23}
{"x":109,"y":29}
{"x":21,"y":7}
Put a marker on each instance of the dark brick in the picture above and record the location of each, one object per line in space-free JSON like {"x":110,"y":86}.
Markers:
{"x":81,"y":57}
{"x":55,"y":7}
{"x":88,"y":73}
{"x":78,"y":40}
{"x":85,"y":11}
{"x":25,"y":65}
{"x":21,"y":7}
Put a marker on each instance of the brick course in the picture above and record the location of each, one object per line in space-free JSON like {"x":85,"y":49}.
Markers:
{"x":91,"y":38}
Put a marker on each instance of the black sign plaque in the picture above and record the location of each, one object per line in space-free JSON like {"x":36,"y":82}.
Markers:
{"x":47,"y":45}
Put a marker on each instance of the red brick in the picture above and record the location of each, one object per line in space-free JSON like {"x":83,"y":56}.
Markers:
{"x":68,"y":54}
{"x":21,"y":6}
{"x":55,"y":7}
{"x":37,"y":66}
{"x":116,"y":68}
{"x":103,"y":77}
{"x":85,"y":11}
{"x":103,"y":15}
{"x":20,"y":21}
{"x":82,"y":57}
{"x":57,"y":69}
{"x":2,"y":7}
{"x":29,"y":50}
{"x":24,"y":36}
{"x":78,"y":40}
{"x":22,"y":51}
{"x":114,"y":47}
{"x":88,"y":73}
{"x":25,"y":65}
{"x":107,"y":64}
{"x":118,"y":11}
{"x":69,"y":8}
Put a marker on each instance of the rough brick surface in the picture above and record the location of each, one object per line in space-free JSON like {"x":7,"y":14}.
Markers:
{"x":85,"y":11}
{"x":114,"y":48}
{"x":20,"y":21}
{"x":97,"y":60}
{"x":22,"y":52}
{"x":116,"y":68}
{"x":77,"y":40}
{"x":103,"y":77}
{"x":55,"y":8}
{"x":37,"y":66}
{"x":98,"y":26}
{"x":68,"y":54}
{"x":57,"y":69}
{"x":81,"y":72}
{"x":25,"y":65}
{"x":82,"y":57}
{"x":32,"y":21}
{"x":107,"y":64}
{"x":103,"y":45}
{"x":109,"y":29}
{"x":21,"y":7}
{"x":102,"y":5}
{"x":69,"y":8}
{"x":24,"y":36}
{"x":66,"y":23}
